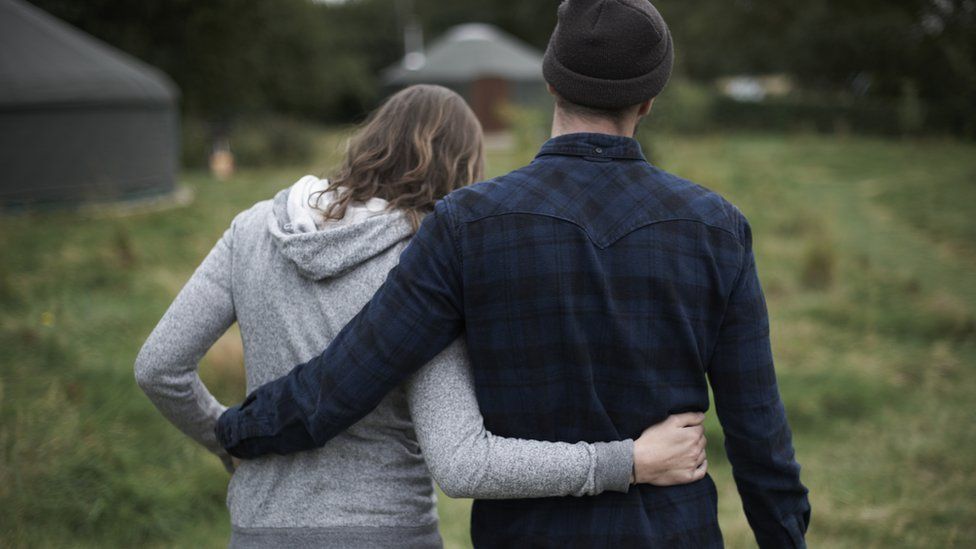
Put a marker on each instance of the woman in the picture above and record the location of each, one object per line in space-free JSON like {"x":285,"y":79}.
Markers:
{"x":292,"y":271}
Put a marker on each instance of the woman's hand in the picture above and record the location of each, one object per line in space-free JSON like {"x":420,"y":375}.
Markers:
{"x":671,"y":452}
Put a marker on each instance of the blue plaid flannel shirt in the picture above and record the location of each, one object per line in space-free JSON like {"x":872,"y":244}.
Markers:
{"x":597,"y":294}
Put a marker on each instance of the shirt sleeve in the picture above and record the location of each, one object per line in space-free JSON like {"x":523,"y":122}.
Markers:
{"x":468,"y":461}
{"x":167,"y":366}
{"x":757,"y":437}
{"x":414,"y":315}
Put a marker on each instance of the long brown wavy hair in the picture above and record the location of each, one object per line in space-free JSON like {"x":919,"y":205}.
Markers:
{"x":420,"y":145}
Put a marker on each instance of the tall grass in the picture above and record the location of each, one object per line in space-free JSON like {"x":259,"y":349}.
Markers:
{"x":865,"y":248}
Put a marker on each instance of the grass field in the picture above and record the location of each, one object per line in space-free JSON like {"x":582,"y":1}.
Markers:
{"x":867,"y":250}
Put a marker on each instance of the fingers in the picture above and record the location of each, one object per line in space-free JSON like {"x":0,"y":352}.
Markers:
{"x":684,"y":476}
{"x":700,"y":472}
{"x":701,"y":443}
{"x":693,"y":435}
{"x":695,"y":458}
{"x":688,"y":419}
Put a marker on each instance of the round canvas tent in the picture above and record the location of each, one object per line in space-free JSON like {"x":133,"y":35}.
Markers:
{"x":79,"y":120}
{"x":481,"y":62}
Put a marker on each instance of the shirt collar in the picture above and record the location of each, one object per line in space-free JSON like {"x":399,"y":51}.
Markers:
{"x":594,"y":145}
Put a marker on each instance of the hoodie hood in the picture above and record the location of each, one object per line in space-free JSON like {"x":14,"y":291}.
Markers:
{"x":322,"y":249}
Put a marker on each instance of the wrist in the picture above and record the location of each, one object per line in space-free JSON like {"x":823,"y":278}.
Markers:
{"x":639,"y":466}
{"x":640,"y":462}
{"x":612,"y":465}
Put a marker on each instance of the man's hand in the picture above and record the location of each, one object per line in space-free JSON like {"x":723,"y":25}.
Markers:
{"x":671,"y":452}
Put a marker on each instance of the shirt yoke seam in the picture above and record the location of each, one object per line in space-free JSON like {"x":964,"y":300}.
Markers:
{"x":622,"y":234}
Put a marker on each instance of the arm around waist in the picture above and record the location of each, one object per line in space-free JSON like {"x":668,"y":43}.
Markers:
{"x":467,"y":460}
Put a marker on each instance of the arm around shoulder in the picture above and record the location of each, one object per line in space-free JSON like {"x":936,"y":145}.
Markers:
{"x":415,"y":314}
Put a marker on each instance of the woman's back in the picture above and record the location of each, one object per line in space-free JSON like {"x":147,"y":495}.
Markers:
{"x":292,"y":288}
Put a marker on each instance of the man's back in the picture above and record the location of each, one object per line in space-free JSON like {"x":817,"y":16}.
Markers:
{"x":594,"y":289}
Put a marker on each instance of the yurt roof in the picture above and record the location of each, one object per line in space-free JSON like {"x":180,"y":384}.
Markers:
{"x":44,"y":61}
{"x":470,"y":51}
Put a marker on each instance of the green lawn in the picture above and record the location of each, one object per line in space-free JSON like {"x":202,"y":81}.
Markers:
{"x":867,"y":250}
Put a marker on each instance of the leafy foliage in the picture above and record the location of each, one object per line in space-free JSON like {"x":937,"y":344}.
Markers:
{"x":321,"y":59}
{"x":238,"y":56}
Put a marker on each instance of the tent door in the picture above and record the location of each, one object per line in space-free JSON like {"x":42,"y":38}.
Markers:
{"x":488,"y":97}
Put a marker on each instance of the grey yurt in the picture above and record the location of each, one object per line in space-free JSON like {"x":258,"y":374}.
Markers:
{"x":481,"y":62}
{"x":80,"y":121}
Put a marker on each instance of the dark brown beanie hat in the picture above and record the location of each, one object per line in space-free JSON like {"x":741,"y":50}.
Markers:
{"x":608,"y":54}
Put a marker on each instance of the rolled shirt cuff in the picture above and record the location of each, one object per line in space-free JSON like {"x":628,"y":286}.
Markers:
{"x":614,"y":465}
{"x":225,"y":430}
{"x":245,"y":436}
{"x":216,"y":446}
{"x":228,"y":462}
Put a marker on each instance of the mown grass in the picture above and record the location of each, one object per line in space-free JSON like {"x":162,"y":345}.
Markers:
{"x":866,"y":249}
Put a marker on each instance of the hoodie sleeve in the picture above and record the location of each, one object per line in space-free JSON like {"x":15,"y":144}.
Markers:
{"x":468,"y":461}
{"x":166,"y":368}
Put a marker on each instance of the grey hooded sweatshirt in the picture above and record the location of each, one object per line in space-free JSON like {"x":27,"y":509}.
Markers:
{"x":291,"y":285}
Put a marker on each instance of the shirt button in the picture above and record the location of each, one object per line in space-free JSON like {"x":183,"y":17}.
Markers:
{"x":598,"y":150}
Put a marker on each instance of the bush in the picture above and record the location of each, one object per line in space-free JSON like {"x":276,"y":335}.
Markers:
{"x":911,"y":109}
{"x":266,"y":140}
{"x":271,"y":141}
{"x":529,"y":125}
{"x":196,"y":143}
{"x":820,"y":114}
{"x":683,"y":107}
{"x":819,"y":265}
{"x":691,"y":107}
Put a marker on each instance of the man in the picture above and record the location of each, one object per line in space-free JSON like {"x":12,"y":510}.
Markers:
{"x":596,"y":294}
